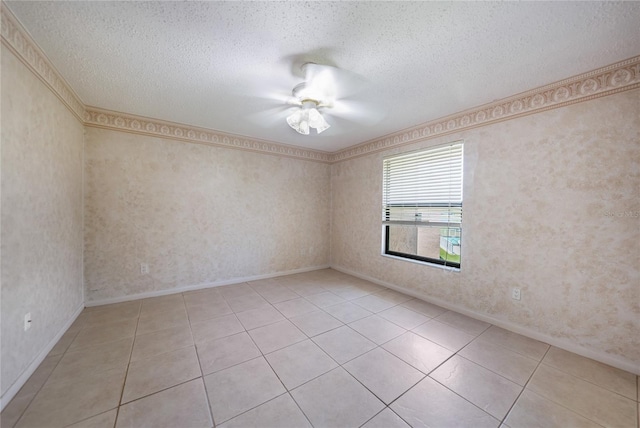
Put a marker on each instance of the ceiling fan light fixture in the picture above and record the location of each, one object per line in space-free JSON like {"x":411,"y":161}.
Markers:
{"x":298,"y":122}
{"x":307,"y":117}
{"x":317,"y":121}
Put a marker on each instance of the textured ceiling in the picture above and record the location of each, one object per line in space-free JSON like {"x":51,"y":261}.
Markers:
{"x":217,"y":64}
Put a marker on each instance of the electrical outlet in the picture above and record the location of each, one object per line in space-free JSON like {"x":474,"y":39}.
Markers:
{"x":144,"y":268}
{"x":27,"y":321}
{"x":515,"y":293}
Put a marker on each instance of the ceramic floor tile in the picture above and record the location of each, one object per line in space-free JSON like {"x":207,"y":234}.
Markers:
{"x":169,"y":303}
{"x":184,"y":405}
{"x":161,"y":320}
{"x":103,"y":420}
{"x":63,"y":344}
{"x":259,"y":317}
{"x":281,"y":412}
{"x":384,"y":374}
{"x":215,"y":328}
{"x":347,"y":312}
{"x":104,"y":333}
{"x":247,"y":302}
{"x":226,"y":352}
{"x":64,"y":403}
{"x":315,"y":323}
{"x":305,"y":290}
{"x":534,"y":411}
{"x":276,"y":336}
{"x":430,"y":404}
{"x":344,"y":344}
{"x":421,"y":353}
{"x":591,"y":401}
{"x":365,"y":285}
{"x":403,"y":317}
{"x":207,"y":310}
{"x":386,"y":419}
{"x":299,"y":363}
{"x":425,"y":308}
{"x":295,"y":307}
{"x":158,"y":342}
{"x":92,"y":359}
{"x":515,"y":367}
{"x":40,"y":375}
{"x":202,"y":297}
{"x":79,"y":382}
{"x":374,"y":303}
{"x":265,"y":284}
{"x":80,"y":321}
{"x":240,"y":388}
{"x":462,"y":322}
{"x":336,"y":399}
{"x":235,"y":290}
{"x":611,"y":378}
{"x":516,"y":342}
{"x":350,"y":292}
{"x":444,"y":335}
{"x":105,"y":315}
{"x":278,"y":295}
{"x":325,"y":299}
{"x":492,"y":393}
{"x":16,"y":407}
{"x":159,"y":372}
{"x":377,"y":329}
{"x":394,"y":296}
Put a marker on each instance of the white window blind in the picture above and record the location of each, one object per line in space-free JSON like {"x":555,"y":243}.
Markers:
{"x":424,"y":188}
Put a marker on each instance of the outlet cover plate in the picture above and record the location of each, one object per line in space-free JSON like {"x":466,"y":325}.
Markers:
{"x":27,"y":321}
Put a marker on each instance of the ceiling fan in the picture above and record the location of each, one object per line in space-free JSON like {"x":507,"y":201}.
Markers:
{"x":329,"y":91}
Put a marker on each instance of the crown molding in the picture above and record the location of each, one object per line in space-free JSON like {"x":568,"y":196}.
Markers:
{"x":100,"y":118}
{"x":16,"y":38}
{"x":612,"y":79}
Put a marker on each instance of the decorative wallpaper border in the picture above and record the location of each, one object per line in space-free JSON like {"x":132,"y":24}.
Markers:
{"x":17,"y":39}
{"x":618,"y":77}
{"x":99,"y":118}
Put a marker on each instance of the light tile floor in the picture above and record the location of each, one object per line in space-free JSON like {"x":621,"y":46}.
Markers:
{"x":319,"y":349}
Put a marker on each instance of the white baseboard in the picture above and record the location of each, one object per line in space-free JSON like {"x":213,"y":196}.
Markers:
{"x":200,"y":286}
{"x":615,"y":361}
{"x":24,"y":377}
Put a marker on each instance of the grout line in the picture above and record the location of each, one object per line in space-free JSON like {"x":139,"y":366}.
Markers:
{"x":525,"y":387}
{"x":560,"y":369}
{"x":300,"y":408}
{"x":126,"y":373}
{"x":195,"y":349}
{"x":204,"y":384}
{"x":465,"y":399}
{"x":372,"y":417}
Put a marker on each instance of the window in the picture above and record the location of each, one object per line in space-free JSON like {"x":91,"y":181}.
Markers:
{"x":422,"y":205}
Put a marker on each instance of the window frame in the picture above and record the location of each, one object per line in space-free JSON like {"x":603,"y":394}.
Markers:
{"x":386,"y":224}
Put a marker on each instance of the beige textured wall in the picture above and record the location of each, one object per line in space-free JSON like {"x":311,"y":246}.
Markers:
{"x":537,"y":192}
{"x":41,"y":222}
{"x":196,"y":214}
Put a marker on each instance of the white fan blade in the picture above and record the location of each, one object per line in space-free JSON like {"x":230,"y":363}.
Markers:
{"x":357,"y":111}
{"x":272,"y":116}
{"x":332,"y":82}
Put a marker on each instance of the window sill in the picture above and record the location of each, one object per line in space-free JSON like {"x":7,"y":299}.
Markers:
{"x":420,"y":262}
